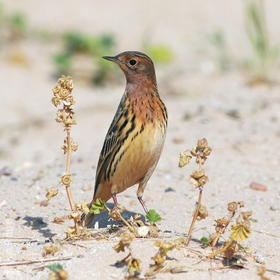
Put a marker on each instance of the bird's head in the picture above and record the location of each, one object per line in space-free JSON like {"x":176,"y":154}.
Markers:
{"x":136,"y":66}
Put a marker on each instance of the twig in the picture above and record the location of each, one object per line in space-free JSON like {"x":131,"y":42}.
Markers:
{"x":266,"y":233}
{"x":16,"y":238}
{"x":194,"y":217}
{"x":223,"y":249}
{"x":35,"y":261}
{"x":68,"y":161}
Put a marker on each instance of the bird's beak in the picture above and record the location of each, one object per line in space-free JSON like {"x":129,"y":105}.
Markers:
{"x":112,"y":58}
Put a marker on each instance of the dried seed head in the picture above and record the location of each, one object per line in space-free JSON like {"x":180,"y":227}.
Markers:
{"x":66,"y":82}
{"x":51,"y":193}
{"x":198,"y":173}
{"x":55,"y":101}
{"x":66,"y":179}
{"x":125,"y":240}
{"x":202,"y":144}
{"x":241,"y":203}
{"x":50,"y":250}
{"x":159,"y":259}
{"x":75,"y":216}
{"x":202,"y":213}
{"x":62,"y":274}
{"x":115,"y":214}
{"x":232,"y":206}
{"x":203,"y":180}
{"x":207,"y":151}
{"x":133,"y":266}
{"x":184,"y":159}
{"x":63,"y":93}
{"x":193,"y":152}
{"x":231,"y":250}
{"x":194,"y":182}
{"x":246,"y":214}
{"x":261,"y":270}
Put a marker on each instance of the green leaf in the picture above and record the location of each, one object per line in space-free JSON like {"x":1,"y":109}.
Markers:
{"x":205,"y":241}
{"x":98,"y":206}
{"x":55,"y":267}
{"x":152,"y":216}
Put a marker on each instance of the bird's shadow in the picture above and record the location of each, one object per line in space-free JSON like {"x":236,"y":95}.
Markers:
{"x":37,"y":223}
{"x":104,"y":220}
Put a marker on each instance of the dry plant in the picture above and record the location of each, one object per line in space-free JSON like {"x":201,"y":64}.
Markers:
{"x":222,"y":223}
{"x":160,"y":257}
{"x":261,"y":271}
{"x":240,"y":231}
{"x":132,"y":264}
{"x":64,"y":101}
{"x":198,"y":178}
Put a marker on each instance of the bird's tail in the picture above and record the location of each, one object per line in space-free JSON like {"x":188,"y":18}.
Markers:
{"x":86,"y":219}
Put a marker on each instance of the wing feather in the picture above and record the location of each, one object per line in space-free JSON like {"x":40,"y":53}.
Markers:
{"x":111,"y":141}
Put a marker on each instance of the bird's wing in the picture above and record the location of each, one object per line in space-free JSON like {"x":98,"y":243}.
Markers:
{"x":111,"y":142}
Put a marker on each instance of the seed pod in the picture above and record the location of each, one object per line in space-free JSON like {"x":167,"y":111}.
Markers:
{"x":203,"y":180}
{"x":231,"y":250}
{"x":232,"y":206}
{"x":194,"y":182}
{"x":198,"y":173}
{"x":207,"y":151}
{"x":184,"y":159}
{"x":66,"y":179}
{"x":202,"y":213}
{"x":202,"y":144}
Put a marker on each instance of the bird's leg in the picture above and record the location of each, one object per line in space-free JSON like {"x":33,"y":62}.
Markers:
{"x":114,"y":195}
{"x":140,"y":191}
{"x":142,"y":203}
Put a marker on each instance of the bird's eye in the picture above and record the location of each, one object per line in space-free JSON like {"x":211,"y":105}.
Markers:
{"x":132,"y":62}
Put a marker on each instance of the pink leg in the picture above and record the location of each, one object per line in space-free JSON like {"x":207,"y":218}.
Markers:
{"x":142,"y":203}
{"x":114,"y":195}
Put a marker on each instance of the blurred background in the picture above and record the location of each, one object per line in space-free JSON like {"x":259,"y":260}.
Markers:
{"x":220,"y":56}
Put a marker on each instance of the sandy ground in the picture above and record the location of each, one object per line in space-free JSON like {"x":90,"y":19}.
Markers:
{"x":241,"y":124}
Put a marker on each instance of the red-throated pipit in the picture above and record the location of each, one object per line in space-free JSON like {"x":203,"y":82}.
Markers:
{"x":134,"y":142}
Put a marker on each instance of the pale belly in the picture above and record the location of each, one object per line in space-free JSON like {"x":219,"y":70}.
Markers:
{"x":140,"y":158}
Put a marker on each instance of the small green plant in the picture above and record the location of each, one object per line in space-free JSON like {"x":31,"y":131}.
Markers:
{"x":18,"y":22}
{"x":205,"y":241}
{"x":63,"y":62}
{"x":93,"y":47}
{"x":55,"y":267}
{"x":159,"y":53}
{"x":14,"y":25}
{"x":153,"y":217}
{"x":257,"y":33}
{"x":57,"y":272}
{"x":100,"y":206}
{"x":219,"y":43}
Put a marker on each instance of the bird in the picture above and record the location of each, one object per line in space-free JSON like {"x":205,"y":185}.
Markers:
{"x":135,"y":139}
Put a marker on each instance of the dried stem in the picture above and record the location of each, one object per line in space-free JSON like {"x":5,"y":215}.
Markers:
{"x":63,"y":97}
{"x":128,"y":225}
{"x":197,"y":178}
{"x":194,"y":217}
{"x":35,"y":261}
{"x":223,"y":249}
{"x":68,"y":161}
